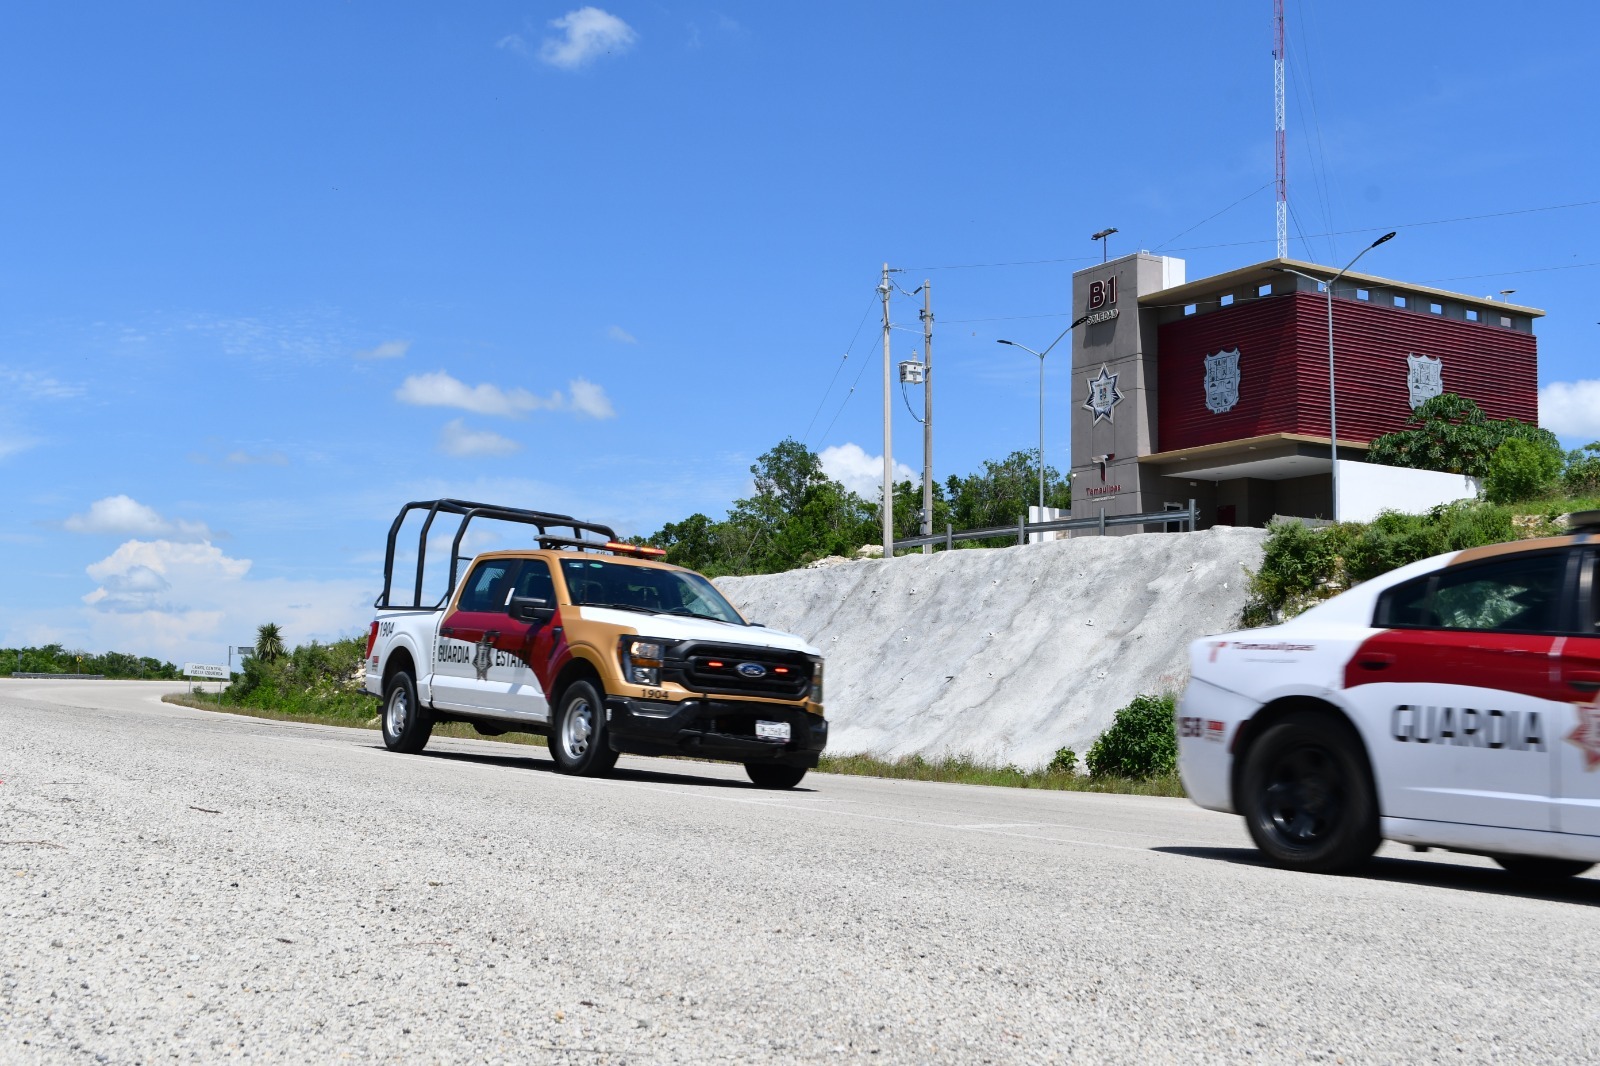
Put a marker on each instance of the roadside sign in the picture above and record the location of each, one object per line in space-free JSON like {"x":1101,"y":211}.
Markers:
{"x":246,"y":651}
{"x":201,"y":670}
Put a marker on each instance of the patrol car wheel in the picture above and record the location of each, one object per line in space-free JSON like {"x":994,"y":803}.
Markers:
{"x":766,"y":775}
{"x":579,"y":743}
{"x":1307,"y":796}
{"x":1538,"y":868}
{"x":407,"y":724}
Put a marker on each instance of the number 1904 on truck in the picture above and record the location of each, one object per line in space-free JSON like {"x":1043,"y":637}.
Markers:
{"x":597,"y":645}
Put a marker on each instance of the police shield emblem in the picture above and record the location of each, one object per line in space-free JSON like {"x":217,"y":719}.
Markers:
{"x":1222,"y":381}
{"x":1103,"y":395}
{"x":1424,"y":377}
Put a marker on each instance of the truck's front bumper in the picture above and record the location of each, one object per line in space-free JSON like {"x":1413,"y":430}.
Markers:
{"x":714,"y":729}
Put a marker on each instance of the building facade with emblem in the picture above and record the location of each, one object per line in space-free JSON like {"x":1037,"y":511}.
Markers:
{"x":1216,"y":390}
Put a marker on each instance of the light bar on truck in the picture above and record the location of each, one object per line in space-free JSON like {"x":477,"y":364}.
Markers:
{"x":645,"y":550}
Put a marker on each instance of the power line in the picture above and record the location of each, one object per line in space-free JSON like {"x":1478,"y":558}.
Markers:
{"x":1208,"y":218}
{"x":836,"y":370}
{"x":1510,"y":273}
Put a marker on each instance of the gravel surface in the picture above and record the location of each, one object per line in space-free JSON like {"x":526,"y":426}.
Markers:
{"x":180,"y":884}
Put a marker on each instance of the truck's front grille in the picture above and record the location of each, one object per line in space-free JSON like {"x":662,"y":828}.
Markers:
{"x":744,"y":671}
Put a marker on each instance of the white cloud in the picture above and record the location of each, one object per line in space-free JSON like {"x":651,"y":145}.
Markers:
{"x":852,"y":467}
{"x":1571,"y":408}
{"x":441,"y":390}
{"x":140,"y":573}
{"x":590,"y":399}
{"x":37,"y":386}
{"x":124,"y":515}
{"x":190,"y":600}
{"x":457,"y":440}
{"x":617,"y":333}
{"x":588,"y":33}
{"x":11,"y":444}
{"x":386,"y":350}
{"x":513,"y":42}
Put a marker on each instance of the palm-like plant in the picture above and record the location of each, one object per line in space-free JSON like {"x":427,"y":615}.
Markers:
{"x":269,"y":643}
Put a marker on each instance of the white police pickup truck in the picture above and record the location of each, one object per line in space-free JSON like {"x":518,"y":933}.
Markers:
{"x":597,"y":644}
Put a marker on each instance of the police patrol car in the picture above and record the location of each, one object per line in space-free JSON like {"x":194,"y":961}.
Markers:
{"x":1450,"y":703}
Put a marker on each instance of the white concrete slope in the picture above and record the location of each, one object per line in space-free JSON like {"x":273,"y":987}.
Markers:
{"x":1005,"y":654}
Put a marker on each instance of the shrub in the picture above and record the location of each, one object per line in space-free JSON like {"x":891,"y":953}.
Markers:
{"x":1522,"y":469}
{"x":1142,"y":741}
{"x":1065,"y":762}
{"x":1582,"y":475}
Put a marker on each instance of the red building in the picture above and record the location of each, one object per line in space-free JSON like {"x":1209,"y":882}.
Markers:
{"x":1217,"y":390}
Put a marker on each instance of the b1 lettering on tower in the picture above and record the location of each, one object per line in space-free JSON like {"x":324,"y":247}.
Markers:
{"x":1102,"y":293}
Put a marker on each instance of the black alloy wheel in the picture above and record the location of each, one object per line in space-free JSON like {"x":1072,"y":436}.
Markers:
{"x":1306,"y":794}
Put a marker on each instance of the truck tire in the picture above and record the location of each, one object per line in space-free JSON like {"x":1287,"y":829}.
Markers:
{"x":407,"y":724}
{"x":1307,"y":797}
{"x":578,"y":742}
{"x":768,"y":775}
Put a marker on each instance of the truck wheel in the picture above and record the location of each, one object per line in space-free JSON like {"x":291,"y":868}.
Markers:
{"x":578,"y":743}
{"x":407,"y":724}
{"x":1538,"y":868}
{"x":1307,"y":797}
{"x":768,"y":775}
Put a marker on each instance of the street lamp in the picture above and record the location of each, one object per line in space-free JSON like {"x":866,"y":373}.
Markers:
{"x":1080,"y":321}
{"x":1101,"y":237}
{"x":1333,"y":414}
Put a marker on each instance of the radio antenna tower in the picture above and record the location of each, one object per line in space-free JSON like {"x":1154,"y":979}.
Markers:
{"x":1277,"y":114}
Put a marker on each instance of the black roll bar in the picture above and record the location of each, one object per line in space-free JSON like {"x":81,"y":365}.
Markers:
{"x":468,"y":510}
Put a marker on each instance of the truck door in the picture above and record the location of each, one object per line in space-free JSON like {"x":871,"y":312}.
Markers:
{"x":1459,"y":695}
{"x":1578,"y":731}
{"x":484,"y":656}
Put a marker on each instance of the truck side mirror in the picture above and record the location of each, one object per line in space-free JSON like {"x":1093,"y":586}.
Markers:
{"x":530,"y":609}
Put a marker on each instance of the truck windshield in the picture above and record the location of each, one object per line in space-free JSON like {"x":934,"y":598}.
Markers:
{"x":594,"y":582}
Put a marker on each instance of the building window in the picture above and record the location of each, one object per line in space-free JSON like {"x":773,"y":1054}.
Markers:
{"x":1504,"y":321}
{"x":1472,"y":314}
{"x":1363,"y":294}
{"x":1188,"y":309}
{"x":1399,"y":301}
{"x":1437,"y":309}
{"x":1226,"y":301}
{"x":1264,"y":290}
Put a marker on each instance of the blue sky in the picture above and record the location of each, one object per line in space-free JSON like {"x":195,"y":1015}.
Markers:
{"x":269,"y":271}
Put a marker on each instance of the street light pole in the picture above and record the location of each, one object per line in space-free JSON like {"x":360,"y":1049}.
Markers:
{"x":1333,"y":409}
{"x":1080,"y":321}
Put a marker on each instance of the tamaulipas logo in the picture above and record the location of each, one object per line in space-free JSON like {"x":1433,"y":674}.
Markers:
{"x":1222,"y":381}
{"x":1103,"y":395}
{"x":1424,"y":378}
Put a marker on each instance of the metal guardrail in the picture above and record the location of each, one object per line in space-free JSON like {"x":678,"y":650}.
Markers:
{"x":1185,"y":518}
{"x":60,"y":677}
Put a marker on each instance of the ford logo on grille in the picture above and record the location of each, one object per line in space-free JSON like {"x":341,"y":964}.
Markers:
{"x":752,"y":670}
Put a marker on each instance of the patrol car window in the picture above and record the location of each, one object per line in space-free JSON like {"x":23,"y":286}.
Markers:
{"x":1405,"y":606}
{"x":488,"y":586}
{"x":1520,"y":594}
{"x":597,"y":583}
{"x":535,"y":581}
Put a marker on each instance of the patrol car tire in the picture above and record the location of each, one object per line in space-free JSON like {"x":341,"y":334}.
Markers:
{"x":578,"y":743}
{"x":1307,"y":797}
{"x":407,"y":724}
{"x":1540,"y":868}
{"x":768,"y":775}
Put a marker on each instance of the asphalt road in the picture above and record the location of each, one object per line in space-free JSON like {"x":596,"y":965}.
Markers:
{"x":179,"y":884}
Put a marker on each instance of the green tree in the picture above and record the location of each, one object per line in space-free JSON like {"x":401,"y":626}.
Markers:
{"x":1522,"y":469}
{"x":269,"y":642}
{"x":1451,"y":433}
{"x":1001,"y":493}
{"x":1582,"y":475}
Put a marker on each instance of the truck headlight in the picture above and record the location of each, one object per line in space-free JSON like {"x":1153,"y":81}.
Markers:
{"x":641,"y":659}
{"x":816,"y":681}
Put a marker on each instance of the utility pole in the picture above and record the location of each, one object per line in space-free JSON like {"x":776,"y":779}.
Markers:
{"x":1281,"y":221}
{"x":927,"y":416}
{"x":888,"y":445}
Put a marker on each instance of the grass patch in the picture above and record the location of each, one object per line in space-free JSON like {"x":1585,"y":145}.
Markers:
{"x":965,"y":771}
